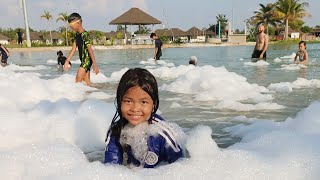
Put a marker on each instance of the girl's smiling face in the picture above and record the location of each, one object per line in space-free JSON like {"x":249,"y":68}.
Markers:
{"x":136,"y":105}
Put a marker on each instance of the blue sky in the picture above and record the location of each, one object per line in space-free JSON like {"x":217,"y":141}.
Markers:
{"x":173,"y":13}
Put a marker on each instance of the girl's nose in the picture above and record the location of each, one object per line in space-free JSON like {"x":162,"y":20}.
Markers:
{"x":135,"y":107}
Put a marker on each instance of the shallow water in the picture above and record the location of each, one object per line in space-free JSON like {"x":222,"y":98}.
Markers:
{"x":191,"y":112}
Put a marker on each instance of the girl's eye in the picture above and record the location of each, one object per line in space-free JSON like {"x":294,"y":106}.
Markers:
{"x":144,"y":102}
{"x":126,"y":101}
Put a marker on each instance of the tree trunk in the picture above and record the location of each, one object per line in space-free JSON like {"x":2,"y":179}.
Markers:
{"x":286,"y":29}
{"x":67,"y":43}
{"x":51,"y":37}
{"x":50,"y":33}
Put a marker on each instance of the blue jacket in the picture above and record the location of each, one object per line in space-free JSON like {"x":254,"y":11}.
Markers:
{"x":161,"y":148}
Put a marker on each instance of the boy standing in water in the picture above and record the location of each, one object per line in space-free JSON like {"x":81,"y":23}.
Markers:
{"x":158,"y":46}
{"x":86,"y":55}
{"x":260,"y":50}
{"x":20,"y":34}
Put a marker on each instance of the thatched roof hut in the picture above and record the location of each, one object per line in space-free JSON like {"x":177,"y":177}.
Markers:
{"x":194,"y":32}
{"x":173,"y":32}
{"x":3,"y":37}
{"x":135,"y":16}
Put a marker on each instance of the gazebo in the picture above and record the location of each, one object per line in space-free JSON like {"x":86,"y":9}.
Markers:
{"x":134,"y":16}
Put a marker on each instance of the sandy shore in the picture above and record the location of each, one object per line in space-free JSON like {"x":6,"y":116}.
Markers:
{"x":65,"y":48}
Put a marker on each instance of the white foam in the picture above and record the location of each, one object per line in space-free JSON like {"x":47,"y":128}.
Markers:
{"x":258,"y":63}
{"x":289,"y":57}
{"x":208,"y":83}
{"x":298,"y":84}
{"x":31,"y":89}
{"x":99,"y":95}
{"x":292,"y":67}
{"x":48,"y":125}
{"x":150,"y":61}
{"x":175,"y":105}
{"x":171,"y":72}
{"x":76,"y":61}
{"x":14,"y":67}
{"x":277,"y":60}
{"x":51,"y":61}
{"x":233,"y":105}
{"x":153,"y":62}
{"x":116,"y":76}
{"x":98,"y":78}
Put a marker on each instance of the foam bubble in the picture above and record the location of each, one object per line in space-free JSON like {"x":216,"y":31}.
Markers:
{"x":51,"y":61}
{"x":258,"y":63}
{"x":290,"y":67}
{"x":98,"y":78}
{"x":298,"y":84}
{"x":208,"y":83}
{"x":175,"y":105}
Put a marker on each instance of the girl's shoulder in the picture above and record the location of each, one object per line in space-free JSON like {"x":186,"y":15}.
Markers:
{"x":162,"y":124}
{"x":170,"y":132}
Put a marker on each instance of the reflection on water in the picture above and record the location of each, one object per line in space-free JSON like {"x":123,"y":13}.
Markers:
{"x":194,"y":113}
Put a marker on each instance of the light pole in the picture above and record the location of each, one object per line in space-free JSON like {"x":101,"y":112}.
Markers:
{"x":26,"y":22}
{"x":245,"y":27}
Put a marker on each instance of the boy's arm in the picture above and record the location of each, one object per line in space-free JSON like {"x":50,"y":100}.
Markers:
{"x":7,"y":52}
{"x":71,"y":53}
{"x":155,"y":52}
{"x":295,"y":58}
{"x":95,"y":66}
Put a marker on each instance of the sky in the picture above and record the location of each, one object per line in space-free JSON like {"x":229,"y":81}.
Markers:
{"x":97,"y":14}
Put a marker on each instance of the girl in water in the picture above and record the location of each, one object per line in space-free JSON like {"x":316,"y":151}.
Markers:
{"x":302,"y":55}
{"x":138,"y":137}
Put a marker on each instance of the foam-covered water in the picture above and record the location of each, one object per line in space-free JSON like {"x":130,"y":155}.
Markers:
{"x":242,"y":120}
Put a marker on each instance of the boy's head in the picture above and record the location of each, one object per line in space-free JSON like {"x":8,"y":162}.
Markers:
{"x":75,"y":21}
{"x":193,"y":60}
{"x":153,"y":36}
{"x":137,"y":96}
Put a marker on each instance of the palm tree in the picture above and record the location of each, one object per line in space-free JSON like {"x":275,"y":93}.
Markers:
{"x":291,"y":10}
{"x":266,"y":16}
{"x":64,"y":18}
{"x":223,"y":22}
{"x":47,"y":16}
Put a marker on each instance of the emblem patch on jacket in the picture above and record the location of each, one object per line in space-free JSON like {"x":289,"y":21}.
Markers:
{"x":151,"y":158}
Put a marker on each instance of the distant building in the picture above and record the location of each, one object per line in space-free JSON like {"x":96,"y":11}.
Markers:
{"x":44,"y":38}
{"x":4,"y":39}
{"x":56,"y":38}
{"x":196,"y":35}
{"x":117,"y":38}
{"x":293,"y":34}
{"x":173,"y":34}
{"x":313,"y":35}
{"x":35,"y":37}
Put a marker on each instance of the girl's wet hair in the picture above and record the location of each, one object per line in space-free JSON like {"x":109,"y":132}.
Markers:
{"x":134,"y":77}
{"x":303,"y":42}
{"x":74,"y":16}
